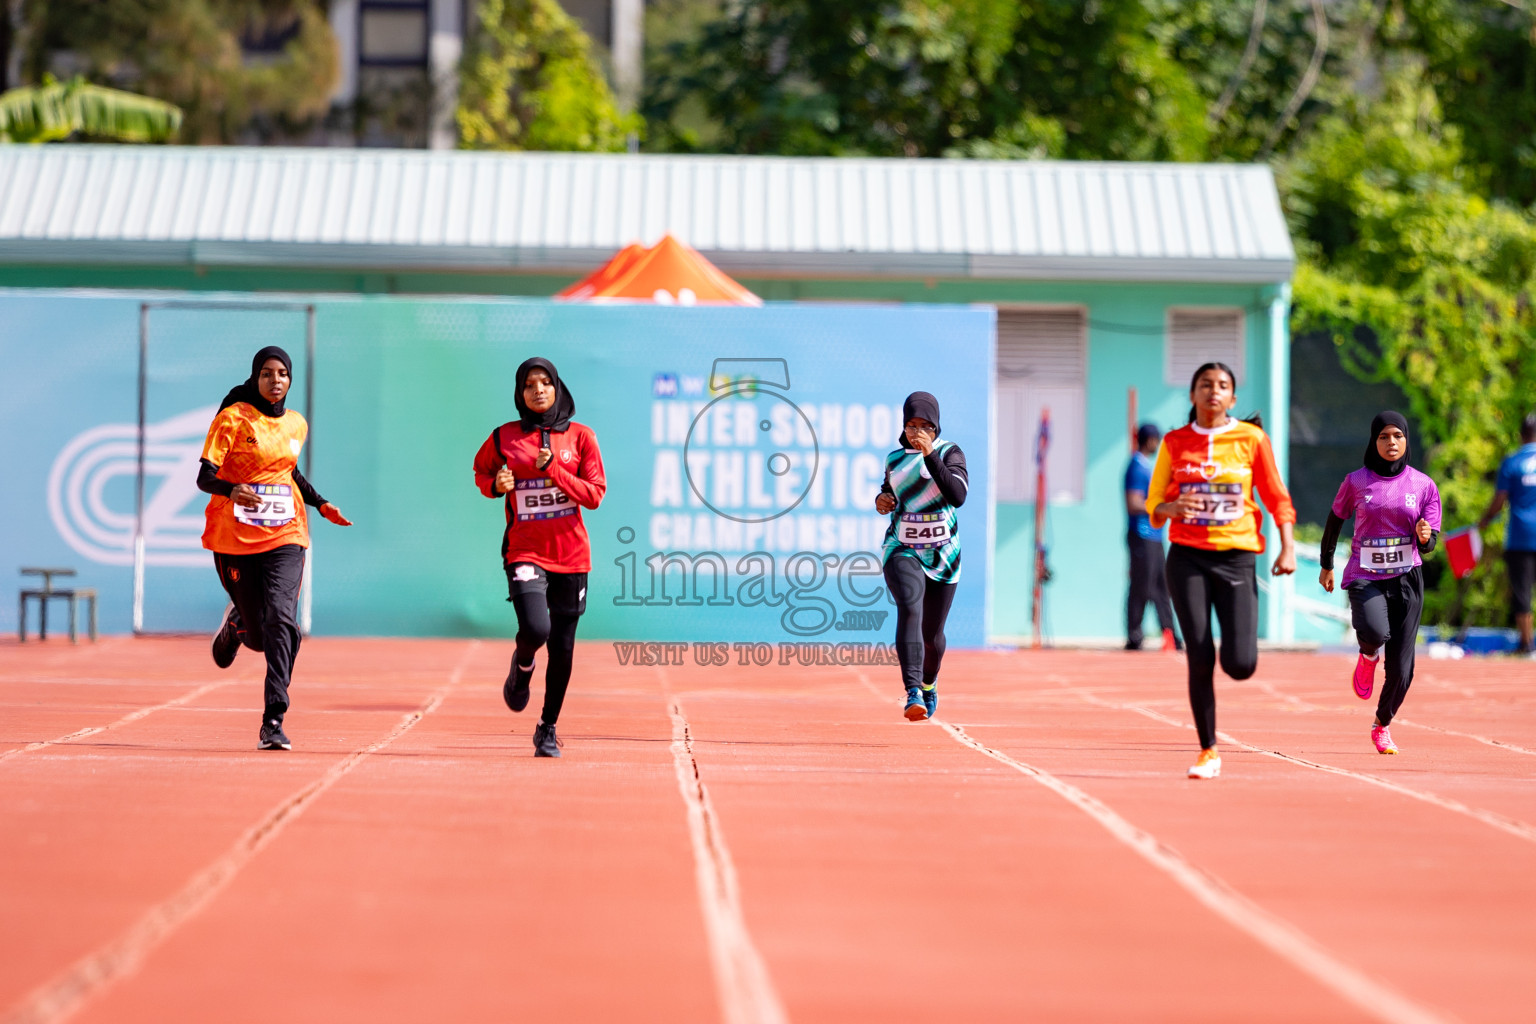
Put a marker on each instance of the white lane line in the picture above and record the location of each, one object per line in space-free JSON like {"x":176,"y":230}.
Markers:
{"x":745,"y":990}
{"x":1511,"y":826}
{"x":89,"y":977}
{"x":1501,"y":744}
{"x":1276,"y":934}
{"x":132,"y":716}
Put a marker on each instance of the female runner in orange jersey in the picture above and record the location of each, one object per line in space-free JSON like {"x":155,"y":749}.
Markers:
{"x":257,"y":528}
{"x":1204,"y":481}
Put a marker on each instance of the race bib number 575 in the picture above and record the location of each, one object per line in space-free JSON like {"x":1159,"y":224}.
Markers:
{"x":541,"y":499}
{"x":1219,"y":504}
{"x":276,"y":508}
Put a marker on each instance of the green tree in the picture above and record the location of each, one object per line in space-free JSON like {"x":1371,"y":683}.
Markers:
{"x":190,"y":53}
{"x":529,"y":80}
{"x":1422,"y":281}
{"x":57,"y":110}
{"x":926,"y":78}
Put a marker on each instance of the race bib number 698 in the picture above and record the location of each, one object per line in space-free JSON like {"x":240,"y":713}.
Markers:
{"x":541,"y":499}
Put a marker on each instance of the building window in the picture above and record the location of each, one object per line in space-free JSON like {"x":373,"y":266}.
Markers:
{"x":1199,"y":336}
{"x":1041,"y":365}
{"x":393,"y":33}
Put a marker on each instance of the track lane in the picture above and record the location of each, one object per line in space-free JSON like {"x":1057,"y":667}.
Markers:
{"x":455,"y":877}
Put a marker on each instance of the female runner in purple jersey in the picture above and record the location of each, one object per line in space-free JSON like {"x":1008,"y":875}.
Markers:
{"x":1397,"y":520}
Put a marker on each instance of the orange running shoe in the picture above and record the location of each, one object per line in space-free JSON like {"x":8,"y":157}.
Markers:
{"x":1207,"y":766}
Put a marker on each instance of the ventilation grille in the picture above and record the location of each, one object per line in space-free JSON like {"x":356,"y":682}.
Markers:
{"x":1198,"y":336}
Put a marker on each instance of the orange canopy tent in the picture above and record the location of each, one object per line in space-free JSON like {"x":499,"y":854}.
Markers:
{"x":668,"y":273}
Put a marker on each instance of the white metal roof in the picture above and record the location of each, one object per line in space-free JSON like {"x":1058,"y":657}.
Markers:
{"x":781,"y":216}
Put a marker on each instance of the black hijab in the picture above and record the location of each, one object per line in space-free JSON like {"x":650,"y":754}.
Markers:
{"x":923,"y":406}
{"x":558,"y":416}
{"x":1373,"y":460}
{"x":249,"y":393}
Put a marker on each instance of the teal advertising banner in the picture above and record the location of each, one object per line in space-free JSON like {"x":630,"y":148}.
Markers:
{"x":743,"y":449}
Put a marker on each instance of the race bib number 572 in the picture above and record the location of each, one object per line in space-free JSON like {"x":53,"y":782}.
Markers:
{"x":541,"y":499}
{"x":1219,"y":504}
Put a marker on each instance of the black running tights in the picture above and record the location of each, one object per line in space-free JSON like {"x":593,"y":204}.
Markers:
{"x":1386,"y":614}
{"x":1200,"y":582}
{"x":538,"y":627}
{"x":265,"y":591}
{"x":922,"y":605}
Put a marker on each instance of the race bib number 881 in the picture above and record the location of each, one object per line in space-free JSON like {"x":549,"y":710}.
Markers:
{"x":541,"y":499}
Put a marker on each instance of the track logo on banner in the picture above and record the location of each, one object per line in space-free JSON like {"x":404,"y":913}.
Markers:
{"x":92,"y":483}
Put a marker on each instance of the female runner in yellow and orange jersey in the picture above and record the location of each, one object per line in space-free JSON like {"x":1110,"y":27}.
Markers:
{"x":1204,"y":481}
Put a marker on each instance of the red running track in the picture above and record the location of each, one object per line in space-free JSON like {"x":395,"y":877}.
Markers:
{"x":756,"y":844}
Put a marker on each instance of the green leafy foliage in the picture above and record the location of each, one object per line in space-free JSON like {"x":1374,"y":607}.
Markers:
{"x":59,"y":110}
{"x":925,"y":78}
{"x":189,"y":53}
{"x":529,"y":80}
{"x":1423,"y":282}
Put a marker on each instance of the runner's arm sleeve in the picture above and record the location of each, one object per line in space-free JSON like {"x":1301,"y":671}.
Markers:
{"x":1431,"y":515}
{"x":1266,"y":480}
{"x":1162,"y":473}
{"x":487,"y":461}
{"x":950,"y":474}
{"x":589,"y":483}
{"x":208,"y":480}
{"x":1330,"y":539}
{"x":311,"y":496}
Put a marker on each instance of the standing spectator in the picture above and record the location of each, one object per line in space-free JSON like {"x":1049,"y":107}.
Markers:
{"x":1516,"y":487}
{"x":1146,"y":547}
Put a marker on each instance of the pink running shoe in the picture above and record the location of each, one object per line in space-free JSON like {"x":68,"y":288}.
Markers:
{"x":1365,"y":676}
{"x":1381,"y":735}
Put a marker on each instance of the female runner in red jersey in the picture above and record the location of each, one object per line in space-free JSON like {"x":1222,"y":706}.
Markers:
{"x":548,"y":468}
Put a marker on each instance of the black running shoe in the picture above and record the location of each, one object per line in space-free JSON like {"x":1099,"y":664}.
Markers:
{"x":272,"y":736}
{"x":545,"y":742}
{"x":515,"y":690}
{"x":226,"y":642}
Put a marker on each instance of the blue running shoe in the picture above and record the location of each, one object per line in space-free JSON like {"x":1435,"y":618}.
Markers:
{"x":916,"y":710}
{"x":931,"y":698}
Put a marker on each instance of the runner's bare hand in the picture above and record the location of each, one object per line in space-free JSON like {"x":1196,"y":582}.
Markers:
{"x":885,"y":503}
{"x":1325,"y":578}
{"x":505,"y":481}
{"x":1422,"y":529}
{"x":544,"y":456}
{"x":922,"y":439}
{"x":245,"y":494}
{"x":1182,"y":507}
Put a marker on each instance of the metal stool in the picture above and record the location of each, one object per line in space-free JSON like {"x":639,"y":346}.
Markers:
{"x":72,"y":594}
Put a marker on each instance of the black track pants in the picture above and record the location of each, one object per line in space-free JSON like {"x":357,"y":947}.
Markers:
{"x":265,"y":591}
{"x":1386,"y":615}
{"x":1199,"y":582}
{"x":922,"y":606}
{"x":548,"y":606}
{"x":1147,"y":584}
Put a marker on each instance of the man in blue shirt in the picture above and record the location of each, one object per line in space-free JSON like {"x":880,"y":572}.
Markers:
{"x":1146,"y":545}
{"x":1516,"y":486}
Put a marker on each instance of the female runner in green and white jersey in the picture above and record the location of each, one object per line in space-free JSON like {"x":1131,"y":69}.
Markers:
{"x":925,"y":482}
